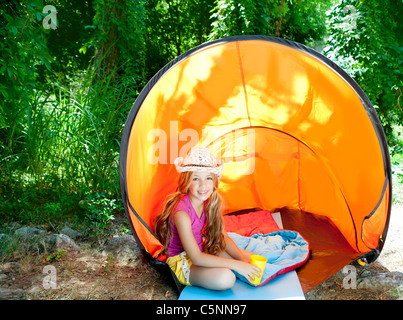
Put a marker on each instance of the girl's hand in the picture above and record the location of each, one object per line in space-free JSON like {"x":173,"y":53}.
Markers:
{"x":249,"y":271}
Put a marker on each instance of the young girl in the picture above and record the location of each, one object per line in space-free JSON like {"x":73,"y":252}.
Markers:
{"x":191,"y":229}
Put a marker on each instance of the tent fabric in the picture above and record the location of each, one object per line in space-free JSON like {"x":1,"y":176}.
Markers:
{"x":330,"y":251}
{"x":294,"y":130}
{"x":250,"y":223}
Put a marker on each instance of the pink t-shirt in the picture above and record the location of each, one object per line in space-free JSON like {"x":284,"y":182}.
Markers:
{"x":175,"y":245}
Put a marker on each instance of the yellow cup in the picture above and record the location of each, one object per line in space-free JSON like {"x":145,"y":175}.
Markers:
{"x":260,"y":262}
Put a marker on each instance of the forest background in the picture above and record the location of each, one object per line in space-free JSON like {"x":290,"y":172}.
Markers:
{"x":69,"y":79}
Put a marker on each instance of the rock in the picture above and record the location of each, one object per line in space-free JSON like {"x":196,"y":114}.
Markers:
{"x":34,"y":289}
{"x":381,"y":281}
{"x":73,"y":234}
{"x":30,"y":239}
{"x":10,"y":266}
{"x":11,"y":294}
{"x":125,"y":250}
{"x":3,"y":237}
{"x":55,"y":242}
{"x":29,"y":232}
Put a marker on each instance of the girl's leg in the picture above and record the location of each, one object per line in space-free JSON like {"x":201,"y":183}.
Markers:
{"x":212,"y":278}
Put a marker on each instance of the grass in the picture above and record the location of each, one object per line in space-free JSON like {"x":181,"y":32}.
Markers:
{"x":62,"y":147}
{"x":80,"y":143}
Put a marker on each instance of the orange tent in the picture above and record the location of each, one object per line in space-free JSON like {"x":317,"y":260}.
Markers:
{"x":296,"y":133}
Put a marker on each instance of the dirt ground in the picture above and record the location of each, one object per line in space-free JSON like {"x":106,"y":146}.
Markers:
{"x":89,"y":275}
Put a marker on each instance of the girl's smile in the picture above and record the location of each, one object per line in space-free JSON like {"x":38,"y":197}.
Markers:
{"x":203,"y":193}
{"x":201,"y":187}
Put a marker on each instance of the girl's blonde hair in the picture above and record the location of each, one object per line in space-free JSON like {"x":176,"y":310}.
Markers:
{"x":213,"y":230}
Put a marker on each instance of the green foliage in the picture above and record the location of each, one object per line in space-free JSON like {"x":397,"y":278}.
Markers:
{"x":37,"y":204}
{"x":173,"y":27}
{"x":74,"y":28}
{"x":60,"y":138}
{"x":99,"y":211}
{"x":119,"y":40}
{"x":302,"y":21}
{"x":364,"y":41}
{"x":70,"y":139}
{"x":56,"y":256}
{"x":397,"y":177}
{"x":22,"y":49}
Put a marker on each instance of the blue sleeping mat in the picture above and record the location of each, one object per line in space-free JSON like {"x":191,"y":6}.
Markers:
{"x":283,"y":287}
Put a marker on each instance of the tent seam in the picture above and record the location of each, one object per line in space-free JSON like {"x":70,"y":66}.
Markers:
{"x":243,"y":80}
{"x":299,"y":176}
{"x":373,"y":211}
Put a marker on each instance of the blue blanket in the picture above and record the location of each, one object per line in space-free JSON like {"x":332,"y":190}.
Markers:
{"x":285,"y":250}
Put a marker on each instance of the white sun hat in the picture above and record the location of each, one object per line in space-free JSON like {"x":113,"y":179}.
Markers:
{"x":199,"y":159}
